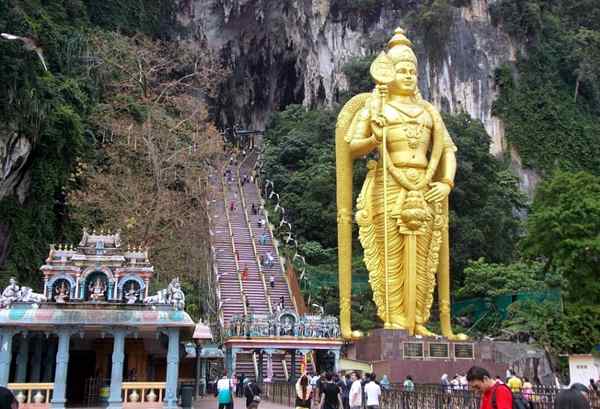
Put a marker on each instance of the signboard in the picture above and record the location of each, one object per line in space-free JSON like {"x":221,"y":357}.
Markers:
{"x":439,"y":350}
{"x":463,"y":351}
{"x":413,"y":350}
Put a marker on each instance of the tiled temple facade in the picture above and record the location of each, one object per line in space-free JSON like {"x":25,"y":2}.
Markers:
{"x":94,"y":334}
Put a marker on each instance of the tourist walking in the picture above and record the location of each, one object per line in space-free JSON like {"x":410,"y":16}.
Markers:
{"x":445,"y":383}
{"x":314,"y":382}
{"x":303,"y":392}
{"x":355,"y":395}
{"x":272,"y":281}
{"x":571,"y":399}
{"x":281,"y":305}
{"x":270,"y":259}
{"x":263,"y":238}
{"x":409,"y":385}
{"x":514,"y":383}
{"x":224,"y":393}
{"x":245,"y":273}
{"x":527,"y":391}
{"x":481,"y":381}
{"x":344,"y":384}
{"x":252,"y":393}
{"x":239,"y":385}
{"x":330,"y":394}
{"x":373,"y":392}
{"x":455,"y":383}
{"x":385,"y":383}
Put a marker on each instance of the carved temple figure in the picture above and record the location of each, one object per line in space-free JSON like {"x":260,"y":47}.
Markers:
{"x":172,"y":295}
{"x":62,"y":293}
{"x":11,"y":293}
{"x":97,"y":290}
{"x":27,"y":295}
{"x":402,"y":209}
{"x":131,"y":296}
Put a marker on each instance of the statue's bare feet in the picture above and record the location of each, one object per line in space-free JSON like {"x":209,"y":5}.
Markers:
{"x":357,"y":334}
{"x":421,"y":330}
{"x":353,"y":335}
{"x":457,"y":337}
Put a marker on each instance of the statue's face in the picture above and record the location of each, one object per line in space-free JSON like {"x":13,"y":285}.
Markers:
{"x":406,"y":78}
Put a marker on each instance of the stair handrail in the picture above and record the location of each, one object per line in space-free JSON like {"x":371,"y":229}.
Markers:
{"x":234,"y":249}
{"x":276,"y":247}
{"x":254,"y":361}
{"x":261,"y":273}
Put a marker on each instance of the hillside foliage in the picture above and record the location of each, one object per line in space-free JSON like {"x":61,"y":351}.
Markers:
{"x":121,"y":134}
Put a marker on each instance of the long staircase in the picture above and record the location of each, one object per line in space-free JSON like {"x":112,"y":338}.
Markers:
{"x":243,"y":282}
{"x":251,"y":196}
{"x":230,"y":288}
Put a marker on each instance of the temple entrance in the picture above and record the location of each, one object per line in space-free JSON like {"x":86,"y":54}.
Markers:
{"x":82,"y":365}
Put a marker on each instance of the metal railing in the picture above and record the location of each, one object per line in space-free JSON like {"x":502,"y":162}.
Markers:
{"x":427,"y":397}
{"x":280,"y":392}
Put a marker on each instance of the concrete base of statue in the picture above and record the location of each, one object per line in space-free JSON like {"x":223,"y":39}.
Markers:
{"x":397,"y":355}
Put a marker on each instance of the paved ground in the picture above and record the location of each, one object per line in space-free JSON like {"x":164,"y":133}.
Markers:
{"x":211,"y":403}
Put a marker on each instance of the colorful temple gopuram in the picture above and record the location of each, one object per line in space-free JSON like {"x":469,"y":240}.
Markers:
{"x":95,"y":335}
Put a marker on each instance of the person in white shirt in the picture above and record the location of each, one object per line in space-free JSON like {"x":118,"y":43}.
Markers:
{"x":373,"y":392}
{"x":355,"y":397}
{"x":224,"y":383}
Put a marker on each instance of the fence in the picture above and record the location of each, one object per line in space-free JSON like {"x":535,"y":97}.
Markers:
{"x":424,"y":397}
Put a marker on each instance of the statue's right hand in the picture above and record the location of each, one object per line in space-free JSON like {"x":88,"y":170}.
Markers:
{"x":377,"y":124}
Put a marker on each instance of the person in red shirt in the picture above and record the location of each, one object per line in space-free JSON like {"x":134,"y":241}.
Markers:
{"x":494,"y":395}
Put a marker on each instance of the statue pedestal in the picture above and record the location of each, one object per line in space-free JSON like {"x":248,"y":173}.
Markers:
{"x":397,"y":354}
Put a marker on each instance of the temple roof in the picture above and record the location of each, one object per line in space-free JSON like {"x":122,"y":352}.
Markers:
{"x":86,"y":317}
{"x":202,"y":331}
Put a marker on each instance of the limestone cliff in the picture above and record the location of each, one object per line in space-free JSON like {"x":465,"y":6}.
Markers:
{"x":293,"y":51}
{"x":14,"y":153}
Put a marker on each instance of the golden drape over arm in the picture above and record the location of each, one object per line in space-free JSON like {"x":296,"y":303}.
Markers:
{"x":344,"y":136}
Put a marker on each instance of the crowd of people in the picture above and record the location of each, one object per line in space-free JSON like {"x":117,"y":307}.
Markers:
{"x":353,"y":390}
{"x":340,"y":391}
{"x":240,"y":386}
{"x":519,"y":393}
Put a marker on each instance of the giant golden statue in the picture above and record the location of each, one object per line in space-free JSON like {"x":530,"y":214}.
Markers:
{"x":402,"y":209}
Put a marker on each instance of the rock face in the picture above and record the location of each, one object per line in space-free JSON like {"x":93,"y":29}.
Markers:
{"x":14,"y":175}
{"x":293,"y":51}
{"x":14,"y":153}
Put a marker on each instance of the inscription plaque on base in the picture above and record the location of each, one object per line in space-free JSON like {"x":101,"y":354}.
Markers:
{"x":463,"y":351}
{"x":413,"y":350}
{"x":439,"y":350}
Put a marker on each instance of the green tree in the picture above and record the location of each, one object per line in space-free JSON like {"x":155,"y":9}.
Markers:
{"x":563,"y":230}
{"x":489,"y":280}
{"x":551,"y":97}
{"x":484,"y":202}
{"x":574,"y":330}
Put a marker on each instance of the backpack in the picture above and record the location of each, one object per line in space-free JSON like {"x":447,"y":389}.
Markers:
{"x":518,"y":402}
{"x":253,"y":389}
